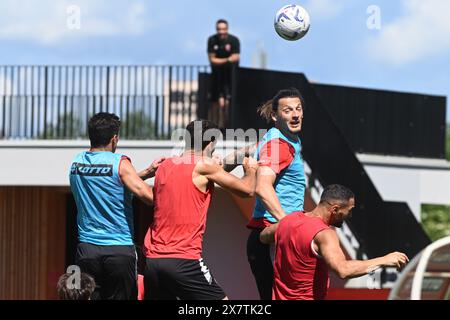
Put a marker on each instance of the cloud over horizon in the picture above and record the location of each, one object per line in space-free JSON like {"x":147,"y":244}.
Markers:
{"x":423,"y":31}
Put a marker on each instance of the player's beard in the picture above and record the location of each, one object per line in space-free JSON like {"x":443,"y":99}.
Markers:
{"x":281,"y":125}
{"x":338,"y":224}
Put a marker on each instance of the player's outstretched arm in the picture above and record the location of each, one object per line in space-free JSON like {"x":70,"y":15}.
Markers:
{"x":244,"y":187}
{"x":328,"y":245}
{"x":134,"y":183}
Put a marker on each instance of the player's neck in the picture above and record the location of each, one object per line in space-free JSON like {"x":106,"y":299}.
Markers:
{"x":97,"y":149}
{"x":319,"y":212}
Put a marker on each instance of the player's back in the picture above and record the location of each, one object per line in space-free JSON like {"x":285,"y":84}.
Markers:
{"x":299,"y":273}
{"x":104,"y":205}
{"x":180,"y":211}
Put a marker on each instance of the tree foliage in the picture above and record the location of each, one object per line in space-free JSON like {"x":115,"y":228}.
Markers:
{"x":436,"y":221}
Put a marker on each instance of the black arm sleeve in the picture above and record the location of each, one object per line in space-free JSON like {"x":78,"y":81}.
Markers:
{"x":236,"y":48}
{"x":210,"y":45}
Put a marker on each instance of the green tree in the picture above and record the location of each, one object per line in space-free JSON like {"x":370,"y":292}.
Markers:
{"x":138,"y":126}
{"x":68,"y":126}
{"x":436,"y":220}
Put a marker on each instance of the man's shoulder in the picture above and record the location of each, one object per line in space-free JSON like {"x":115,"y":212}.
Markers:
{"x":289,"y":219}
{"x":233,"y":37}
{"x":213,"y":37}
{"x":79,"y":154}
{"x":281,"y":146}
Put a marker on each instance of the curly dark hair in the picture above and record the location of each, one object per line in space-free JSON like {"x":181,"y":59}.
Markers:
{"x":87,"y":287}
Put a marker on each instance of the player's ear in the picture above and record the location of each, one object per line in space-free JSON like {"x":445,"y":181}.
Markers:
{"x":274,"y":117}
{"x":335,"y":209}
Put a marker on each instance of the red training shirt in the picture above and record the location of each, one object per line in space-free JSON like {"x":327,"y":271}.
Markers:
{"x":299,"y":273}
{"x":180,"y":211}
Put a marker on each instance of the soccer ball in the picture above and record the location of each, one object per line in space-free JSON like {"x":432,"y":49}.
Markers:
{"x":292,"y":22}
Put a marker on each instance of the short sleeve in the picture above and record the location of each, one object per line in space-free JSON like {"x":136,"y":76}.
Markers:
{"x":236,"y":47}
{"x":124,"y":158}
{"x":210,"y":45}
{"x":276,"y":154}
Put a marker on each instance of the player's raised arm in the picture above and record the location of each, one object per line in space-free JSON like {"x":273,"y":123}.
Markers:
{"x":244,"y":187}
{"x":235,"y":158}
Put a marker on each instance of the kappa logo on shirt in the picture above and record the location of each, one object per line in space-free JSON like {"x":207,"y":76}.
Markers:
{"x":93,"y":170}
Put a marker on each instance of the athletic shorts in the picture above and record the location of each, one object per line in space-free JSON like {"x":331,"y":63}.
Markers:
{"x":171,"y":278}
{"x":260,"y":258}
{"x":114,"y":269}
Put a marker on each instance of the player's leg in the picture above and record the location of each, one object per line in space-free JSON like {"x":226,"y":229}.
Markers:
{"x":158,"y":285}
{"x":120,"y":273}
{"x":213,"y":112}
{"x":226,"y":107}
{"x":225,"y":92}
{"x":221,"y":121}
{"x":88,"y":258}
{"x":195,"y":281}
{"x":258,"y":255}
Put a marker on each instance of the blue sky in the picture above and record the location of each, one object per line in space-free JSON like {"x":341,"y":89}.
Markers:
{"x":409,"y":52}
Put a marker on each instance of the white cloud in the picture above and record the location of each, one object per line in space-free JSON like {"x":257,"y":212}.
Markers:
{"x":422,"y":32}
{"x":45,"y":21}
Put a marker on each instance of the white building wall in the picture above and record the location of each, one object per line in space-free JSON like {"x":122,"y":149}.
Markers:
{"x":47,"y":162}
{"x":412,"y":180}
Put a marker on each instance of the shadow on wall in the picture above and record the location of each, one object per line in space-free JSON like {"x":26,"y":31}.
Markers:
{"x":224,"y":247}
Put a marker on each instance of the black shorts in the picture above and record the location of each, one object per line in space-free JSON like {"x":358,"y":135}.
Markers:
{"x":170,"y":279}
{"x":260,"y":261}
{"x":114,"y":269}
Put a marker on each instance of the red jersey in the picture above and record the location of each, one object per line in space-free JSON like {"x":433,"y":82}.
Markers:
{"x":299,"y":273}
{"x":180,"y":210}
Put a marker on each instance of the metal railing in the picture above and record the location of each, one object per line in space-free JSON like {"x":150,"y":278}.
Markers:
{"x":55,"y":102}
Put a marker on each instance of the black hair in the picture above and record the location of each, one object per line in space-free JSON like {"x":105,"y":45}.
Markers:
{"x":199,"y":133}
{"x":336,"y":192}
{"x":87,"y":287}
{"x":222,"y":21}
{"x":102,"y":127}
{"x":271,"y":106}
